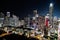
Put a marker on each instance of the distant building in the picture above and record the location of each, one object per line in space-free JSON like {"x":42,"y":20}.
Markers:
{"x":26,"y":21}
{"x":38,"y":21}
{"x":55,"y":18}
{"x":1,"y":19}
{"x":22,"y":22}
{"x":11,"y":21}
{"x":8,"y":14}
{"x":47,"y":20}
{"x":41,"y":21}
{"x":51,"y":13}
{"x":59,"y":29}
{"x":55,"y":22}
{"x":16,"y":19}
{"x":6,"y":19}
{"x":35,"y":13}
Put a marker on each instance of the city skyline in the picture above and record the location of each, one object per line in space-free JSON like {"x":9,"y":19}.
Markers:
{"x":31,"y":18}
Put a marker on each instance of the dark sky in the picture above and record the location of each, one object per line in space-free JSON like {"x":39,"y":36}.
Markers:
{"x":22,"y":8}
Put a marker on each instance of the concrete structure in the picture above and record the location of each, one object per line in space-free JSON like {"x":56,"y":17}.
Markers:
{"x":51,"y":13}
{"x":35,"y":17}
{"x":8,"y":14}
{"x":59,"y":29}
{"x":22,"y":22}
{"x":35,"y":14}
{"x":16,"y":20}
{"x":55,"y":22}
{"x":11,"y":21}
{"x":47,"y":20}
{"x":1,"y":19}
{"x":28,"y":21}
{"x":6,"y":19}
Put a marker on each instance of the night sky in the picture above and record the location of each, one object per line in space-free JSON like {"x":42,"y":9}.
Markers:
{"x":23,"y":8}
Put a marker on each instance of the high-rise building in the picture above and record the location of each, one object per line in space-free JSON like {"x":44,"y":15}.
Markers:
{"x":1,"y":15}
{"x":22,"y":22}
{"x":12,"y":22}
{"x":1,"y":19}
{"x":55,"y":22}
{"x":6,"y":19}
{"x":59,"y":29}
{"x":55,"y":18}
{"x":35,"y":13}
{"x":35,"y":18}
{"x":47,"y":20}
{"x":8,"y":14}
{"x":41,"y":21}
{"x":16,"y":20}
{"x":28,"y":20}
{"x":51,"y":13}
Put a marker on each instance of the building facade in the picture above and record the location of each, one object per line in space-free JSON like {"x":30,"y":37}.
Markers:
{"x":1,"y":19}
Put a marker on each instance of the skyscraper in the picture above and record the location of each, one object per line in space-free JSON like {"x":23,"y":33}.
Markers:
{"x":55,"y":22}
{"x":51,"y":13}
{"x":16,"y":20}
{"x":6,"y":19}
{"x":8,"y":14}
{"x":35,"y":13}
{"x":47,"y":20}
{"x":1,"y":19}
{"x":59,"y":29}
{"x":1,"y":15}
{"x":35,"y":18}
